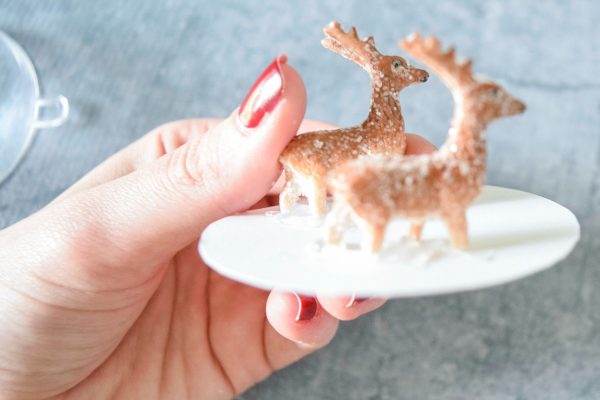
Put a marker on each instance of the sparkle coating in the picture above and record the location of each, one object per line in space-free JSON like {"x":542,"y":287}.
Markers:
{"x":371,"y":191}
{"x":310,"y":157}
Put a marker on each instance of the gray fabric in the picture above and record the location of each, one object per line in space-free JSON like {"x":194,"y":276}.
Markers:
{"x":127,"y":66}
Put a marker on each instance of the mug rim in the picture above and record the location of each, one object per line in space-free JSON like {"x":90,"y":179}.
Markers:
{"x":26,"y":65}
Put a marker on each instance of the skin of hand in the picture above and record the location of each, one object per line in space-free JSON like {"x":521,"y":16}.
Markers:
{"x":103,"y":294}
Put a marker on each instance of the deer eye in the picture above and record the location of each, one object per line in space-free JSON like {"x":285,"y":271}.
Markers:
{"x":396,"y":64}
{"x":495,"y":92}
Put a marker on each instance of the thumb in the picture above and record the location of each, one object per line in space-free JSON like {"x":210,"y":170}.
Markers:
{"x":154,"y":211}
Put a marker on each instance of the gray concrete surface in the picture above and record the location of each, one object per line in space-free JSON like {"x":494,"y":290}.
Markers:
{"x":128,"y":66}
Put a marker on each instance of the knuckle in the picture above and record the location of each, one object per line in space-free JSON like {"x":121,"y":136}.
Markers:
{"x":190,"y":169}
{"x":183,"y":168}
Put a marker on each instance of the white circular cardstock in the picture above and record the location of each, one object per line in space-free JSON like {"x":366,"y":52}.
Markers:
{"x":513,"y":234}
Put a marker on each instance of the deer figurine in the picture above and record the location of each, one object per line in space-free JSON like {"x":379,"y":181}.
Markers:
{"x":309,"y":157}
{"x":372,"y":190}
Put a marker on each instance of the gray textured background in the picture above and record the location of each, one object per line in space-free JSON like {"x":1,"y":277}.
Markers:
{"x":127,"y":66}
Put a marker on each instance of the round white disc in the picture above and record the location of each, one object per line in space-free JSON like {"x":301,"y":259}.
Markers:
{"x":513,"y":234}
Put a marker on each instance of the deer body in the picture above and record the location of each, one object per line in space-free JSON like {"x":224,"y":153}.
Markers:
{"x":372,"y":191}
{"x":309,"y":158}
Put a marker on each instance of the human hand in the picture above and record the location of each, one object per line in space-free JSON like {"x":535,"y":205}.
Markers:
{"x":103,"y":294}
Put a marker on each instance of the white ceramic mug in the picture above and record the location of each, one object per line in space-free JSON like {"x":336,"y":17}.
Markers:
{"x":21,"y":106}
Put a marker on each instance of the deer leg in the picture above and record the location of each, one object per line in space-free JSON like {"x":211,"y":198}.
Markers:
{"x":333,"y":234}
{"x":416,"y":229}
{"x":337,"y":220}
{"x":373,"y":236}
{"x":457,"y":227}
{"x":318,"y":197}
{"x":288,"y":197}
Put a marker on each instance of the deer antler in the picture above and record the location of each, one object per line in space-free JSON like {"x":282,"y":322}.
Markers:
{"x":455,"y":74}
{"x":348,"y":44}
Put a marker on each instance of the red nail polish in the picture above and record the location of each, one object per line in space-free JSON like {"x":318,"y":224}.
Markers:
{"x":307,"y":308}
{"x":353,"y":300}
{"x":359,"y":300}
{"x":264,"y":95}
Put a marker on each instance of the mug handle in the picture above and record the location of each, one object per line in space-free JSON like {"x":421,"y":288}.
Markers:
{"x":59,"y":103}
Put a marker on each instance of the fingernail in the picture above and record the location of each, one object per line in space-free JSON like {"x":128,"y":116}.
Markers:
{"x":353,"y":300}
{"x":305,"y":346}
{"x":307,"y":308}
{"x":264,"y":95}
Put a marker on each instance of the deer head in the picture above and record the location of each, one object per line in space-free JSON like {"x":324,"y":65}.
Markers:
{"x":391,"y":72}
{"x":485,"y":99}
{"x":490,"y":101}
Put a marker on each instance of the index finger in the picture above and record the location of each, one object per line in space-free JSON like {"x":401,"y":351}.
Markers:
{"x":416,"y":144}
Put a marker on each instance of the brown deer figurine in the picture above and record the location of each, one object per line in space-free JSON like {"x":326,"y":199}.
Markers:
{"x":372,"y":190}
{"x":309,"y":157}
